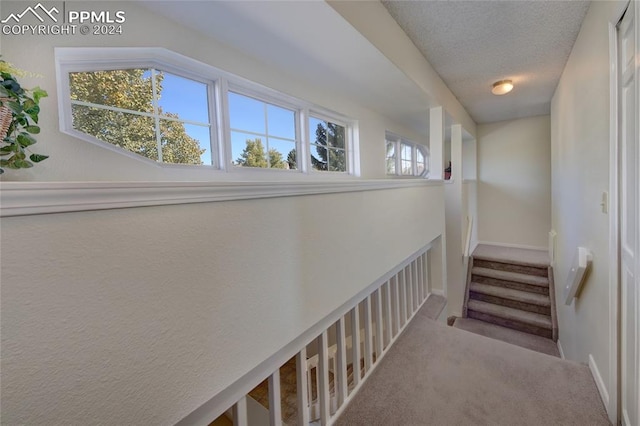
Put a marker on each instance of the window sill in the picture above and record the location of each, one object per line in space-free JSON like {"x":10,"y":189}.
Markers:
{"x":33,"y":198}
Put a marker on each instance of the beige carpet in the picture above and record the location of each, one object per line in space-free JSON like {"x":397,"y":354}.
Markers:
{"x":439,"y":375}
{"x":515,"y":337}
{"x":511,"y":254}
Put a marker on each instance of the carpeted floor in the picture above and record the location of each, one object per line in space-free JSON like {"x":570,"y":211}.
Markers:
{"x":515,"y":337}
{"x":439,"y":375}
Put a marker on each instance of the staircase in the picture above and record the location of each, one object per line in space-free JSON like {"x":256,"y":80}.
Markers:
{"x":513,"y":289}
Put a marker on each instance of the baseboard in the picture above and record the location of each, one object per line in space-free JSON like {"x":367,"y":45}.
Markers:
{"x":599,"y":382}
{"x":560,"y":349}
{"x":520,"y":246}
{"x":437,"y":292}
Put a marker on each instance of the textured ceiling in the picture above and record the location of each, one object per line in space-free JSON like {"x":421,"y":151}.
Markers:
{"x":472,"y":44}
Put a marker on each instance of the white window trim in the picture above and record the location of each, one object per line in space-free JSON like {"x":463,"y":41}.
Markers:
{"x":398,"y":141}
{"x":348,"y":144}
{"x":219,"y":82}
{"x":272,"y":101}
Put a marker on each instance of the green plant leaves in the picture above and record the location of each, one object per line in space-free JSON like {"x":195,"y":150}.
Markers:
{"x":25,"y":109}
{"x":25,"y":139}
{"x":15,"y":107}
{"x":38,"y":94}
{"x":36,"y":158}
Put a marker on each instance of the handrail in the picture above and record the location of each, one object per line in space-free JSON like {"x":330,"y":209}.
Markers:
{"x":467,"y":265}
{"x":467,"y":244}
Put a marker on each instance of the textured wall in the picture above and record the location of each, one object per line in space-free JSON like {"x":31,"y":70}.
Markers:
{"x":580,"y":170}
{"x":514,"y":182}
{"x":138,"y":316}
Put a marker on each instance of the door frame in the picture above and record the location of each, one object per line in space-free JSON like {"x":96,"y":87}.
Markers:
{"x":612,"y":401}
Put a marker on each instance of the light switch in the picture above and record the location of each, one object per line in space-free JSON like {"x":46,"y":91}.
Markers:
{"x":605,"y":202}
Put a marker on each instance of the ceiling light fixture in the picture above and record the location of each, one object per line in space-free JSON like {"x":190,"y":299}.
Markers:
{"x":502,"y":87}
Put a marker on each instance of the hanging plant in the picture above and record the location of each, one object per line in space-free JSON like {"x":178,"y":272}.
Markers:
{"x":19,"y":109}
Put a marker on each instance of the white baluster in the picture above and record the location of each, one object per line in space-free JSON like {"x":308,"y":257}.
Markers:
{"x":302,"y":384}
{"x":355,"y":343}
{"x":397,"y":309}
{"x":421,"y":279}
{"x":426,"y":273}
{"x":275,"y":410}
{"x":403,"y":287}
{"x":340,"y":379}
{"x":416,"y":288}
{"x":409,"y":279}
{"x":379,"y":328}
{"x":240,"y":417}
{"x":323,"y":379}
{"x":368,"y":347}
{"x":389,"y":315}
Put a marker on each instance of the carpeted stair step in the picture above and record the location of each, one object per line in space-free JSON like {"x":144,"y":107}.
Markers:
{"x":508,"y":279}
{"x":528,"y":322}
{"x":517,"y":299}
{"x":515,"y":337}
{"x":537,"y":270}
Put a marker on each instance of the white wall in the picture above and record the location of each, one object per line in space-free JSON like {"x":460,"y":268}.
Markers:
{"x":514,"y":182}
{"x":139,"y":316}
{"x":580,"y":171}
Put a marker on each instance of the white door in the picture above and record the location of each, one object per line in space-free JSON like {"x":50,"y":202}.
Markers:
{"x":629,"y":226}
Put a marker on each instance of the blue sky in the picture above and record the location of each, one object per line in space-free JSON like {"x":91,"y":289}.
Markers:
{"x":188,"y":99}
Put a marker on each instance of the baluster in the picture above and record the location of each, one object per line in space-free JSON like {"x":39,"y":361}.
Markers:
{"x":416,"y":287}
{"x":410,"y":290}
{"x":355,"y":344}
{"x":403,"y":287}
{"x":323,"y":380}
{"x":368,"y":355}
{"x":240,"y":417}
{"x":421,"y":279}
{"x":340,"y":380}
{"x":397,"y":313}
{"x":379,"y":328}
{"x":302,"y":384}
{"x":426,"y":273}
{"x":389,"y":315}
{"x":275,"y":409}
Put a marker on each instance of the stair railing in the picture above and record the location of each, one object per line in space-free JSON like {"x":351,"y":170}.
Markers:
{"x":467,"y":264}
{"x":386,"y":307}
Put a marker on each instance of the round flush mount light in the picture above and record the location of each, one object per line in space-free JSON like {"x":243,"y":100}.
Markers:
{"x":502,"y":87}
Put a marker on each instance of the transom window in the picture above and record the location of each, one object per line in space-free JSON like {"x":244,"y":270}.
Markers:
{"x":405,"y":158}
{"x":170,"y":109}
{"x":262,"y":134}
{"x":152,"y":113}
{"x":328,"y":143}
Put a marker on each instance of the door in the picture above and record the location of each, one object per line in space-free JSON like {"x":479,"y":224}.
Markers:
{"x":629,"y":227}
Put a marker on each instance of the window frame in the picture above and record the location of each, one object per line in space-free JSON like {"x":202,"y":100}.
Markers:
{"x":348,"y":136}
{"x":219,"y":84}
{"x":155,"y":116}
{"x":398,"y":141}
{"x":279,"y":101}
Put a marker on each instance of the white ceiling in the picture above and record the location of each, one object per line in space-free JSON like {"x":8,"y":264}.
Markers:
{"x":292,"y":36}
{"x":472,"y":44}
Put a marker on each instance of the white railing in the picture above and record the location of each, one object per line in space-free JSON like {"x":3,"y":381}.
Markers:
{"x":466,"y":266}
{"x":374,"y":318}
